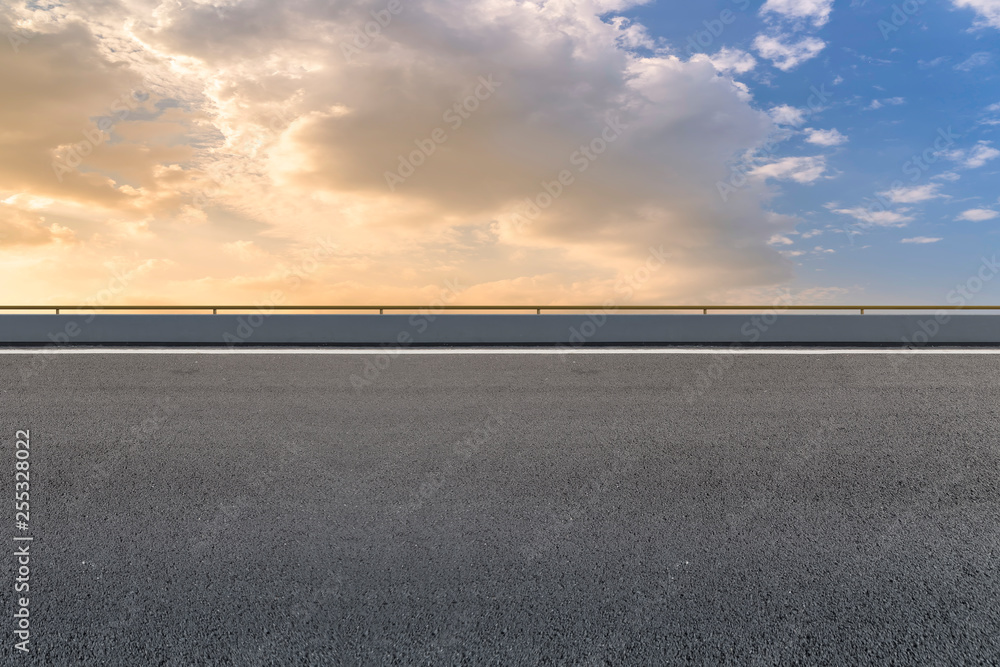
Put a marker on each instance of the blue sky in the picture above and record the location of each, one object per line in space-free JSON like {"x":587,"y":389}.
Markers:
{"x":931,"y":70}
{"x":499,"y":151}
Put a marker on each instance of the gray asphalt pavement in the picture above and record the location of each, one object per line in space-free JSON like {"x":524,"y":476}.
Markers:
{"x":518,"y":509}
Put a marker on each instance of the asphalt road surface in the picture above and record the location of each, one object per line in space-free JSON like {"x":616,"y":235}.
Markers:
{"x":505,"y":509}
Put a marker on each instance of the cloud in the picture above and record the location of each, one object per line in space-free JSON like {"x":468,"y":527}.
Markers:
{"x":246,"y":251}
{"x":786,"y":54}
{"x":981,"y":154}
{"x":926,"y":64}
{"x":259,"y":130}
{"x":830,"y":137}
{"x":788,"y":115}
{"x":876,"y":218}
{"x":733,"y":60}
{"x":892,"y":101}
{"x":798,"y":169}
{"x":975,"y":60}
{"x":817,"y":11}
{"x":19,"y":228}
{"x":992,"y":109}
{"x":987,"y":10}
{"x":913,"y":195}
{"x":922,"y":239}
{"x":975,"y":157}
{"x":979,"y":215}
{"x":61,"y":80}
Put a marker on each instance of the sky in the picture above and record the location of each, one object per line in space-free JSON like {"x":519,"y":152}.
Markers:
{"x":614,"y":152}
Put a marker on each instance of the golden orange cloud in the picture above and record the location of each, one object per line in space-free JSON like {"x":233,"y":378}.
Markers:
{"x":528,"y":153}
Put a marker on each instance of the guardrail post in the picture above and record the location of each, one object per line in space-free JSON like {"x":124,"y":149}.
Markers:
{"x":381,"y":311}
{"x":538,"y":311}
{"x":704,"y":311}
{"x":862,"y":311}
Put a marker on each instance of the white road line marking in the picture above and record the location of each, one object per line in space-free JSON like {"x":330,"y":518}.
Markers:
{"x":497,"y":351}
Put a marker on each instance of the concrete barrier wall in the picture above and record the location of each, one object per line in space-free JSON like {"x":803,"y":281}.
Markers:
{"x":572,"y":330}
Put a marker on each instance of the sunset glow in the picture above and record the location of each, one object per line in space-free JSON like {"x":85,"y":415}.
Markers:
{"x":559,"y":152}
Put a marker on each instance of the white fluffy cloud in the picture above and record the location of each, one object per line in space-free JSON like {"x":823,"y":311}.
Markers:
{"x":786,"y":52}
{"x":815,"y":11}
{"x":876,"y":218}
{"x":913,"y":195}
{"x":988,"y":10}
{"x":733,"y":60}
{"x":797,"y":169}
{"x":788,"y":115}
{"x":974,"y":157}
{"x":982,"y":153}
{"x":922,"y":240}
{"x":825,"y":137}
{"x":979,"y":215}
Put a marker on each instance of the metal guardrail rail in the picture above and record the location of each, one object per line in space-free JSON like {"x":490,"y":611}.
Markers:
{"x":538,"y":309}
